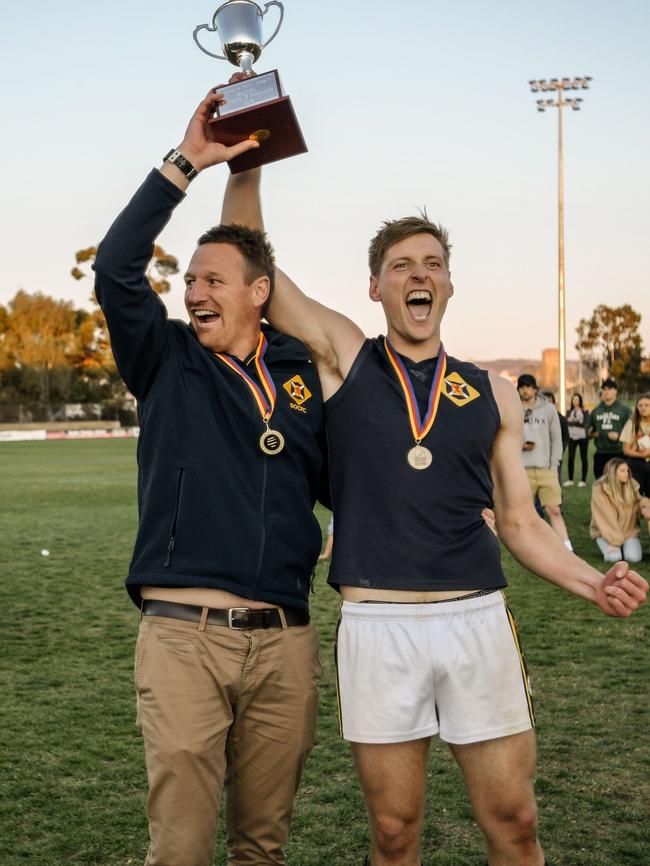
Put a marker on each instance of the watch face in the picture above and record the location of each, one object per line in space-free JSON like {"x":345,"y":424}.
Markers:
{"x":182,"y":164}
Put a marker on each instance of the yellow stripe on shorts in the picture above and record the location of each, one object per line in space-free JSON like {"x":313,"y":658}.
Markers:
{"x":338,"y":690}
{"x":522,"y":662}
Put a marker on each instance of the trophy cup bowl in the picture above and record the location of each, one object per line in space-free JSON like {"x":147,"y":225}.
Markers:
{"x":256,"y":107}
{"x":239,"y":25}
{"x":240,"y":28}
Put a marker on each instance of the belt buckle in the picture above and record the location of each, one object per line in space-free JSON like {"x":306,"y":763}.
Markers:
{"x":232,"y":610}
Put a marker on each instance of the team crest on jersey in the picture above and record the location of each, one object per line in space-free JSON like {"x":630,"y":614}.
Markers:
{"x":298,"y":392}
{"x":458,"y":390}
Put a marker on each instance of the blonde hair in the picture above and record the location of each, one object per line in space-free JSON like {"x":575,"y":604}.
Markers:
{"x":623,"y":495}
{"x":393,"y":231}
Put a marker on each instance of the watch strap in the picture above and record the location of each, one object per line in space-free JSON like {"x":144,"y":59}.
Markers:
{"x":181,"y":163}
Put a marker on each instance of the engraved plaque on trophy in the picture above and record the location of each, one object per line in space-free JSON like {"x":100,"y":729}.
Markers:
{"x":256,"y":106}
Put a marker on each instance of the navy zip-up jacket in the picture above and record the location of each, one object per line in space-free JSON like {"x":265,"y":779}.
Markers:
{"x":214,"y":511}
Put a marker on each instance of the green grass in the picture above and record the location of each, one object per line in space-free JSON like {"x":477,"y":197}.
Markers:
{"x":72,"y":780}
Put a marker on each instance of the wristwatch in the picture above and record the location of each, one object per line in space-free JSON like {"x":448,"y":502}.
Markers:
{"x":182,"y":164}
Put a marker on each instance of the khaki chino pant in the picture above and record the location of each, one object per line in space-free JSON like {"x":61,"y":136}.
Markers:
{"x":219,"y":705}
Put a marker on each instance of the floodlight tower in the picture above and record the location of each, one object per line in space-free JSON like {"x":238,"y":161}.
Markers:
{"x":560,"y":86}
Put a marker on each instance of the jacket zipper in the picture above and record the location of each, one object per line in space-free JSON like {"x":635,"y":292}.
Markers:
{"x":262,"y":513}
{"x":177,"y":507}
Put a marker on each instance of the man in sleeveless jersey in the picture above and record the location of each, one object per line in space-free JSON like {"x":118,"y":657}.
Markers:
{"x":419,"y":444}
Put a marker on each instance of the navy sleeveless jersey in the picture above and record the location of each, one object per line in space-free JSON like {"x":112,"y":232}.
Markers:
{"x":401,"y":528}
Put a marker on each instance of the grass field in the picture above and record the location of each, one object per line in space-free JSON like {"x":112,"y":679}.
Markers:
{"x":72,"y":780}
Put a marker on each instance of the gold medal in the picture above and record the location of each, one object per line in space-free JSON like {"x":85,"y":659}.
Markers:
{"x":271,"y":441}
{"x":419,"y":457}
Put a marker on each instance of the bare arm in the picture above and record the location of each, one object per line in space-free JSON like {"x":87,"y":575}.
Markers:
{"x":631,"y":450}
{"x":531,"y":541}
{"x":241,"y":203}
{"x":332,"y":339}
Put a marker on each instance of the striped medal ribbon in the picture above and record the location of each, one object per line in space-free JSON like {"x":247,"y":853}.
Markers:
{"x":271,"y":441}
{"x":419,"y":457}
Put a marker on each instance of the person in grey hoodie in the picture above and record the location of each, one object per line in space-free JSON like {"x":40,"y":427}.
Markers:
{"x":542,"y":452}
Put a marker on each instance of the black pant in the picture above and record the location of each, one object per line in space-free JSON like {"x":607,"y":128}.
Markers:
{"x":583,"y":444}
{"x":640,"y":469}
{"x":601,"y":458}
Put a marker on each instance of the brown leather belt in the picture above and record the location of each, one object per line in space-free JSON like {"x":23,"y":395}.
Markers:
{"x":233,"y":617}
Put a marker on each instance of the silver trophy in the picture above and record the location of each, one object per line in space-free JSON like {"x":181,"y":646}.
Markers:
{"x":239,"y":25}
{"x":256,"y":106}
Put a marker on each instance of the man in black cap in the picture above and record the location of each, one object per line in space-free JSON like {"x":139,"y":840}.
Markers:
{"x":607,"y":422}
{"x":542,"y":452}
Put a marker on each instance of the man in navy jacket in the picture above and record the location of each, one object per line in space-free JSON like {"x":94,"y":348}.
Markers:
{"x":230,"y":463}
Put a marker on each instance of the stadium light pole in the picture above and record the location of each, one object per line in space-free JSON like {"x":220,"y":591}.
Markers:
{"x":560,"y":86}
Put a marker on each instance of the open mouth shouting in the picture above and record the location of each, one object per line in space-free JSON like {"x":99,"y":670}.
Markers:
{"x":204,"y":318}
{"x":418,"y":303}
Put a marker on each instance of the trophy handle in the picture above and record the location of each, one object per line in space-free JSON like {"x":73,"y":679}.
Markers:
{"x":212,"y":29}
{"x":266,"y":9}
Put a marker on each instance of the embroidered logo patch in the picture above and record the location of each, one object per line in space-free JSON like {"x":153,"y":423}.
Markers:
{"x":458,"y":390}
{"x":298,"y":392}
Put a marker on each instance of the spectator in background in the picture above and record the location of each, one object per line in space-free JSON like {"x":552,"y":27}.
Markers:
{"x":616,"y":508}
{"x":329,"y":543}
{"x":605,"y":426}
{"x":578,"y":424}
{"x":635,"y":438}
{"x":542,"y":452}
{"x":564,"y":429}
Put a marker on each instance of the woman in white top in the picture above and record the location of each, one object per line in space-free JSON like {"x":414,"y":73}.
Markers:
{"x":616,"y":508}
{"x":635,"y":437}
{"x":577,"y":419}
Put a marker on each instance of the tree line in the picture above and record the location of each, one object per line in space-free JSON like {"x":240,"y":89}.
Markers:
{"x":53,"y":354}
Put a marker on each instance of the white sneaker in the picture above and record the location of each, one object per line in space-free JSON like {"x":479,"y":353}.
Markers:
{"x":582,"y":483}
{"x":568,"y":483}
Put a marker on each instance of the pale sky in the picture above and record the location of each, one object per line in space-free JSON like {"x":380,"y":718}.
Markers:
{"x":403,"y":105}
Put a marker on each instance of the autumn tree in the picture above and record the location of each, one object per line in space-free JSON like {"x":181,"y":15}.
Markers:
{"x":43,"y":335}
{"x":611,"y":339}
{"x":39,"y":331}
{"x":161,"y":266}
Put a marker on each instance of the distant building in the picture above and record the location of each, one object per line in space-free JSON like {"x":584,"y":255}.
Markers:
{"x":550,"y":375}
{"x":547,"y":372}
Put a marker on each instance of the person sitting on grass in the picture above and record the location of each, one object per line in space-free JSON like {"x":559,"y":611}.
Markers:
{"x":616,"y":508}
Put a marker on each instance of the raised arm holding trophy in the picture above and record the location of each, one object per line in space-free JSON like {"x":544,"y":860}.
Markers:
{"x":226,"y":663}
{"x":255,"y":108}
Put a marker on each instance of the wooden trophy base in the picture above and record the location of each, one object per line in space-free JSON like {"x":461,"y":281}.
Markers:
{"x":255,"y":108}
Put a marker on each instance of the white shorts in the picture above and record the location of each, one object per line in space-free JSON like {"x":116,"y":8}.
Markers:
{"x":407,"y":671}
